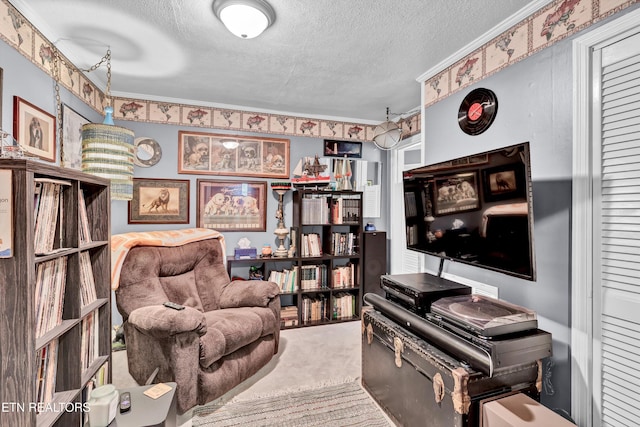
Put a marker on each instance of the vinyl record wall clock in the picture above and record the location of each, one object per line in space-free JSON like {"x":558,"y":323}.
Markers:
{"x":477,"y":111}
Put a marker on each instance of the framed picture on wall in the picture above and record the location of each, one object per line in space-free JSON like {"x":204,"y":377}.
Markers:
{"x":456,"y":193}
{"x":232,"y":205}
{"x":352,"y":149}
{"x":35,"y":129}
{"x":71,"y":145}
{"x":232,"y":155}
{"x":159,"y":201}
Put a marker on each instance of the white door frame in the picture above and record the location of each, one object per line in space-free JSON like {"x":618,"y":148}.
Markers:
{"x":585,"y":390}
{"x":396,"y":216}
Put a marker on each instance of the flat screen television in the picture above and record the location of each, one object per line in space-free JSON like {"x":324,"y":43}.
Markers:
{"x":476,"y":209}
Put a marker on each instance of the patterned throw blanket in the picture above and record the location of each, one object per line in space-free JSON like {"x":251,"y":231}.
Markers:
{"x":122,"y":243}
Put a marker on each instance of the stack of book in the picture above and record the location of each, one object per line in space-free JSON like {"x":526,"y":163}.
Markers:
{"x":85,"y":233}
{"x":289,"y":316}
{"x":49,"y":298}
{"x":345,"y":210}
{"x":343,"y":243}
{"x":315,"y":210}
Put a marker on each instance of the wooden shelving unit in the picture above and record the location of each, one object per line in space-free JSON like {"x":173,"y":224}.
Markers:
{"x":18,"y":287}
{"x":339,"y":237}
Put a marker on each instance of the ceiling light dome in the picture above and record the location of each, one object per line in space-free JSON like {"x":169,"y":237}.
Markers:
{"x":244,"y":18}
{"x":387,"y":134}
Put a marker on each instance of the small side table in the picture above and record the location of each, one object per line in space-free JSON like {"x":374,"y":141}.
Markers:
{"x":148,"y":412}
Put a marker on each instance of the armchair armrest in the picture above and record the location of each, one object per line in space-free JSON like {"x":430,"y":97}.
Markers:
{"x":248,"y":293}
{"x":159,"y":321}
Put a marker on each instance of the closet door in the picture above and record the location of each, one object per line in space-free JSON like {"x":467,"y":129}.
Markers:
{"x":616,"y":214}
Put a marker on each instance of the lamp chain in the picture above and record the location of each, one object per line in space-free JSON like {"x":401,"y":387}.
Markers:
{"x":106,"y":58}
{"x":56,"y":77}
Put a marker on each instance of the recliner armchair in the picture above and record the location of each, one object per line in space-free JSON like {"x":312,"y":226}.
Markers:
{"x":227,"y":331}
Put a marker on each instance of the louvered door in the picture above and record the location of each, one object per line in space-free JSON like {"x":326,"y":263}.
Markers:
{"x":617,"y":235}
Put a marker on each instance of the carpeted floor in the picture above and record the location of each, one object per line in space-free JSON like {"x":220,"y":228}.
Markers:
{"x":345,"y":405}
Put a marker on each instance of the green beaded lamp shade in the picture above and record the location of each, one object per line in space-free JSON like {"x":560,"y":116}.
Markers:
{"x":108,"y":152}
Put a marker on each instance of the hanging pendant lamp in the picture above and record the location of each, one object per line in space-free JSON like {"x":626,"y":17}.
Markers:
{"x":108,"y":150}
{"x":387,"y":134}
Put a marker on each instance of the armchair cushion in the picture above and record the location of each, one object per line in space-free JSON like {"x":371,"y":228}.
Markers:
{"x":232,"y":328}
{"x":159,"y":321}
{"x":248,"y":293}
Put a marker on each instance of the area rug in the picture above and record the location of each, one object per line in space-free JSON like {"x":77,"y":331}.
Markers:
{"x":346,"y":405}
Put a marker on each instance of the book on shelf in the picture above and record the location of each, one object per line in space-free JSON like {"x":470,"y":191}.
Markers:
{"x":345,"y":210}
{"x":343,"y":306}
{"x":47,"y":360}
{"x":343,"y":243}
{"x":311,"y":245}
{"x":87,"y":282}
{"x":49,"y":296}
{"x":89,"y":340}
{"x":314,"y":309}
{"x":313,"y":276}
{"x":285,"y":279}
{"x":49,"y":214}
{"x":315,"y":210}
{"x":344,"y":276}
{"x":6,"y":213}
{"x":85,"y":232}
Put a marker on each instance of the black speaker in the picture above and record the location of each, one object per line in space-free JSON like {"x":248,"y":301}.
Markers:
{"x":374,"y":260}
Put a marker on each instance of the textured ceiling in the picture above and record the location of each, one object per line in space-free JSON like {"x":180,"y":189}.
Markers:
{"x":334,"y":58}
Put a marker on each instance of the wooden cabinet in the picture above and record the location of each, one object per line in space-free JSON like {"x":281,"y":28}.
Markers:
{"x":77,"y":340}
{"x":327,"y":265}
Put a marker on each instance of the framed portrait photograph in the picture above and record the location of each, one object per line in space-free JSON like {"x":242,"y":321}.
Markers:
{"x":232,"y":155}
{"x":504,"y":182}
{"x":350,"y":149}
{"x":35,"y":129}
{"x":71,"y":145}
{"x":159,"y":201}
{"x":232,"y":205}
{"x":456,"y":193}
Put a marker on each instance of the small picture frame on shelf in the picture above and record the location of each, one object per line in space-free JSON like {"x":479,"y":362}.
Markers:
{"x":159,"y":201}
{"x":34,"y":129}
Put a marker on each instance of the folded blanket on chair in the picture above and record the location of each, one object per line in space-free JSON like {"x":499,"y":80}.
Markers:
{"x":122,"y":243}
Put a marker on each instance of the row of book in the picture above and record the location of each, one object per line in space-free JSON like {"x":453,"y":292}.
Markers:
{"x":314,"y":309}
{"x":344,"y":306}
{"x":289,"y":316}
{"x":89,"y":350}
{"x":87,"y":282}
{"x":313,"y":277}
{"x":343,"y":244}
{"x":345,"y":210}
{"x":412,"y":235}
{"x":46,"y":361}
{"x":315,"y":210}
{"x":343,"y":276}
{"x":49,"y":215}
{"x":410,"y":209}
{"x":311,"y":245}
{"x":285,"y":279}
{"x":49,"y":296}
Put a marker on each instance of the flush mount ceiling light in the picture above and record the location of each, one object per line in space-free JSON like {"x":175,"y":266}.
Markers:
{"x":244,"y":18}
{"x":387,"y":134}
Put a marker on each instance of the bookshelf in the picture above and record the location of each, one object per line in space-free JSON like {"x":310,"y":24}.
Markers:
{"x":327,"y":266}
{"x":55,"y":310}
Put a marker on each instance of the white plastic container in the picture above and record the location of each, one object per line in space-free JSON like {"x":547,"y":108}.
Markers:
{"x":103,"y":404}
